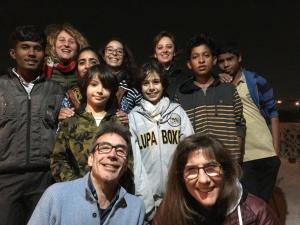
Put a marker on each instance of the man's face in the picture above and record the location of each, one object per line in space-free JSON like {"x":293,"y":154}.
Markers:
{"x":108,"y":167}
{"x":201,"y":61}
{"x":229,"y":63}
{"x":29,"y":56}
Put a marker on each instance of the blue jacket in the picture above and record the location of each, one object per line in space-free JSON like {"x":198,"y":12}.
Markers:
{"x":72,"y":203}
{"x":262,"y":95}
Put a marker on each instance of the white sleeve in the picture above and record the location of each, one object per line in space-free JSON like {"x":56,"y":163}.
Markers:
{"x":186,"y":125}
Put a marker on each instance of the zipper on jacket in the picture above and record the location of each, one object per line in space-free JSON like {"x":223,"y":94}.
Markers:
{"x":160,"y":157}
{"x":28,"y":128}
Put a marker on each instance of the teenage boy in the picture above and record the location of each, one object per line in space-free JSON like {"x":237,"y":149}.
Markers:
{"x":213,"y":107}
{"x":29,"y":106}
{"x":261,"y":163}
{"x":97,"y":198}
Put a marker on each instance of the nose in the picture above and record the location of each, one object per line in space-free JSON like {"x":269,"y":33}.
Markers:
{"x":201,"y":59}
{"x":226,"y":63}
{"x":113,"y":153}
{"x":151,"y":86}
{"x":202,"y":177}
{"x":31,"y":52}
{"x":100,"y":89}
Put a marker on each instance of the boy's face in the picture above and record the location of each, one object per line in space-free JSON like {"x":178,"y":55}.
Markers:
{"x":229,"y":63}
{"x":29,"y":56}
{"x":201,"y":61}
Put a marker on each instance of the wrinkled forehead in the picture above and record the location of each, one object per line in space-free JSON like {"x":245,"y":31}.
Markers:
{"x":111,"y":138}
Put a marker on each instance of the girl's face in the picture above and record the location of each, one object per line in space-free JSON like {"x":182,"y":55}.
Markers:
{"x":86,"y":59}
{"x":203,"y":178}
{"x":165,"y":51}
{"x":65,"y":47}
{"x":96,"y":94}
{"x":114,"y":54}
{"x":152,"y":87}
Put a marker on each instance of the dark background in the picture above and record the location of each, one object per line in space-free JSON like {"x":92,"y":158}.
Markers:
{"x":267,"y":31}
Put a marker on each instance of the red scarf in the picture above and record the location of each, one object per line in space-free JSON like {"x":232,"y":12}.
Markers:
{"x":60,"y":67}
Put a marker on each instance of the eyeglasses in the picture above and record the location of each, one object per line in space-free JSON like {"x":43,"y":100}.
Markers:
{"x":211,"y":170}
{"x":105,"y":147}
{"x":117,"y":51}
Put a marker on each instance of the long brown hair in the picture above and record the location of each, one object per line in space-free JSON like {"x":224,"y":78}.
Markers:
{"x":179,"y":207}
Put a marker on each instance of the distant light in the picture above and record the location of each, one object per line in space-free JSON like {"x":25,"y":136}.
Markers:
{"x":297,"y":103}
{"x":279,"y":101}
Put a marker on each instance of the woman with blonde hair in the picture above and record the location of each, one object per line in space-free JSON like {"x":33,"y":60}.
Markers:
{"x":63,"y":45}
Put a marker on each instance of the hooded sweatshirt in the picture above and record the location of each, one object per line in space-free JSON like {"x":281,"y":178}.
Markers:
{"x":154,"y":139}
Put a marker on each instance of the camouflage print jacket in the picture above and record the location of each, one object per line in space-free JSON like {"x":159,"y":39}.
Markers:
{"x":69,"y":158}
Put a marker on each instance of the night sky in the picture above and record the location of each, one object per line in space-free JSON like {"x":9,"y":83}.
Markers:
{"x":267,"y":31}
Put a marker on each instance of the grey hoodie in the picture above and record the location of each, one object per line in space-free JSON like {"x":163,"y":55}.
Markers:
{"x":153,"y":145}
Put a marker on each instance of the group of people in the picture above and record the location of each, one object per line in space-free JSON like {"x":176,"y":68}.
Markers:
{"x":155,"y":144}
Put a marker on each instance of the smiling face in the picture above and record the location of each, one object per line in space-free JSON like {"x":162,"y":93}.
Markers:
{"x":96,"y":95}
{"x":28,"y":55}
{"x":152,"y":88}
{"x":165,"y":51}
{"x":108,"y":167}
{"x":65,"y":47}
{"x":86,"y":59}
{"x":201,"y":61}
{"x":114,"y":54}
{"x":205,"y":189}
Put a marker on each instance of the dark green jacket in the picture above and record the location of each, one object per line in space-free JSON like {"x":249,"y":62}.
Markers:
{"x":75,"y":136}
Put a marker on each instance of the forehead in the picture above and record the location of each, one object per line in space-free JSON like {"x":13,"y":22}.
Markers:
{"x":226,"y":55}
{"x":165,"y":40}
{"x":114,"y":44}
{"x":29,"y":43}
{"x":199,"y":157}
{"x":87,"y":54}
{"x":112,"y":138}
{"x":201,"y":48}
{"x":64,"y":34}
{"x":152,"y":75}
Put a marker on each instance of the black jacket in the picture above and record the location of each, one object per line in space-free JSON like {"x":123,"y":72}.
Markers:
{"x":28,"y":123}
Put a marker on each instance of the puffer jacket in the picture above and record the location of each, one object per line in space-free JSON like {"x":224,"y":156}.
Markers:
{"x":28,"y":123}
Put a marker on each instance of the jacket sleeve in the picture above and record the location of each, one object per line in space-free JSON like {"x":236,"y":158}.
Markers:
{"x":238,"y":114}
{"x":142,"y":184}
{"x":60,"y":165}
{"x":266,"y":100}
{"x":186,"y":126}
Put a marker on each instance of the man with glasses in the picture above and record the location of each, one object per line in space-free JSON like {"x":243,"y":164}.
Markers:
{"x":97,"y":198}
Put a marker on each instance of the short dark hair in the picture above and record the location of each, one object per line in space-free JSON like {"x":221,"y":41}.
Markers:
{"x":107,"y":78}
{"x":228,"y":47}
{"x":88,"y":48}
{"x":27,"y":33}
{"x":201,"y":39}
{"x":113,"y":128}
{"x":151,"y":66}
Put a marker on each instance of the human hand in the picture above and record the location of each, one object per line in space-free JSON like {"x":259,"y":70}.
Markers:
{"x":225,"y":78}
{"x":122,"y":116}
{"x":65,"y":113}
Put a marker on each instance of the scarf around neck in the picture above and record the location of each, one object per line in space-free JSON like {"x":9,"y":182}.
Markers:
{"x":156,"y":111}
{"x":50,"y":64}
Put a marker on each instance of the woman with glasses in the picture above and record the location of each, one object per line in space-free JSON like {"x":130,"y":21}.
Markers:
{"x":157,"y":126}
{"x":76,"y":133}
{"x":120,"y":60}
{"x":203,"y":188}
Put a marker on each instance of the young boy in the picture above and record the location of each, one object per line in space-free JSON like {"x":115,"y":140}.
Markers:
{"x":213,"y":107}
{"x":261,"y":164}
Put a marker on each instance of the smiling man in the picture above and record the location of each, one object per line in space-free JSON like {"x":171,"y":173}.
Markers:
{"x":29,"y":106}
{"x":97,"y":198}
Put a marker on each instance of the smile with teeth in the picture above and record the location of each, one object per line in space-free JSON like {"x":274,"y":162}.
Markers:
{"x":110,"y":166}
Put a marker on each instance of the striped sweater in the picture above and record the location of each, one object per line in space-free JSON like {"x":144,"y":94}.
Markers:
{"x":218,"y":111}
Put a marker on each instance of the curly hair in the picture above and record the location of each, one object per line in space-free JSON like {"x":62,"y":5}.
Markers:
{"x":52,"y":32}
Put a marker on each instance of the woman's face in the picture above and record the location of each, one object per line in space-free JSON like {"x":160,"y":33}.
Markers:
{"x":203,"y":178}
{"x":165,"y":51}
{"x":114,"y":54}
{"x":152,"y":88}
{"x":86,"y":59}
{"x":65,"y":47}
{"x":97,"y":96}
